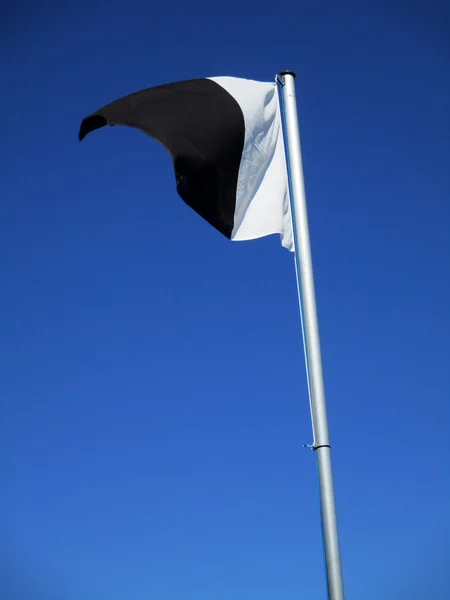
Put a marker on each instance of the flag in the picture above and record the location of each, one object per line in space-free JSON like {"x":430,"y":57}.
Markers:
{"x":225,"y":137}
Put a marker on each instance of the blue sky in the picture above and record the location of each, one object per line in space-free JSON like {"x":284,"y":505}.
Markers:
{"x":153,"y":391}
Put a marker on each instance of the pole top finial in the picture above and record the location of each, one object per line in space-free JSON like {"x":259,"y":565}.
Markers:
{"x":287,"y":73}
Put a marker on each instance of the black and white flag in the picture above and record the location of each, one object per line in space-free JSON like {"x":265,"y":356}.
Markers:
{"x":225,"y":137}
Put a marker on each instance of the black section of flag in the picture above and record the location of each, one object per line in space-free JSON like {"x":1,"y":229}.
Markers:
{"x":202,"y":126}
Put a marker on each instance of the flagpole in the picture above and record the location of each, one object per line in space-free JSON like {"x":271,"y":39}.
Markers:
{"x":308,"y":311}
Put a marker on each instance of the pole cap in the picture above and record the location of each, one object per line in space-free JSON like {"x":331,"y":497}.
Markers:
{"x":287,"y":73}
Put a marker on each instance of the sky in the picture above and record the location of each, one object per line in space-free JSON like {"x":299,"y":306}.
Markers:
{"x":153,"y":398}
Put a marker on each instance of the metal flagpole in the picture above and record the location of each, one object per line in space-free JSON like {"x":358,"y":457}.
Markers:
{"x":308,"y":311}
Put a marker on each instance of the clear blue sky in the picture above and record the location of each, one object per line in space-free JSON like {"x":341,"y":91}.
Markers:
{"x":153,"y":392}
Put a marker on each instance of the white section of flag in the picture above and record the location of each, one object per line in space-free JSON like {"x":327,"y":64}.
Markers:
{"x":262,"y":197}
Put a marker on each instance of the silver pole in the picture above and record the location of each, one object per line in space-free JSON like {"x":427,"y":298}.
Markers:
{"x":305,"y":281}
